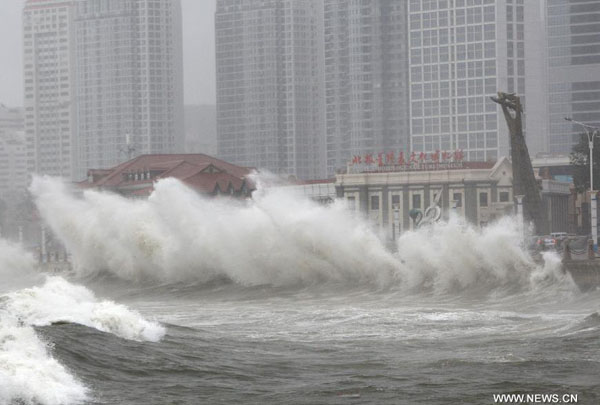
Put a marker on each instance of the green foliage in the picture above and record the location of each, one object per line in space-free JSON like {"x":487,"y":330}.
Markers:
{"x":579,"y":157}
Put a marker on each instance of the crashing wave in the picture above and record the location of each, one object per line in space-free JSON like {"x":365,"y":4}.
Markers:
{"x":60,"y":301}
{"x":28,"y":372}
{"x":277,"y":238}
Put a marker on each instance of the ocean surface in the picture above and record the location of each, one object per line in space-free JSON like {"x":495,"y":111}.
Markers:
{"x":181,"y":300}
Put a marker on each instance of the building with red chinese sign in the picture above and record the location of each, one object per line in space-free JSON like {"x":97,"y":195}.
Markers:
{"x":386,"y":188}
{"x":392,"y":161}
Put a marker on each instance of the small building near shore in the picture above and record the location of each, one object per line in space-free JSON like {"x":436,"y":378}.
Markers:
{"x":479,"y":191}
{"x":205,"y":174}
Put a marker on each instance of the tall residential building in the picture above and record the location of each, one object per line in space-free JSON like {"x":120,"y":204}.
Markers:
{"x":129,"y":80}
{"x":536,"y":77}
{"x":461,"y":53}
{"x":573,"y":69}
{"x":14,"y":177}
{"x":11,"y":118}
{"x":366,"y":78}
{"x":269,"y":85}
{"x":103,"y":82}
{"x":49,"y":65}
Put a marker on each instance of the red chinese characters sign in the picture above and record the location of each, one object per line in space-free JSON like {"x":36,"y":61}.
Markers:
{"x":438,"y":160}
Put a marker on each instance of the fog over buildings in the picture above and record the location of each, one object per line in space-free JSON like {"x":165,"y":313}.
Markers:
{"x":201,"y":129}
{"x":13,"y":152}
{"x":301,"y":86}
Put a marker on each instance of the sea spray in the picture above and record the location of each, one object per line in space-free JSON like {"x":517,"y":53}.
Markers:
{"x":17,"y":267}
{"x":177,"y":235}
{"x":278,"y":238}
{"x":454,"y":255}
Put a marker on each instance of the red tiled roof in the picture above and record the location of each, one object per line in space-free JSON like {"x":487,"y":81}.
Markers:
{"x":199,"y":171}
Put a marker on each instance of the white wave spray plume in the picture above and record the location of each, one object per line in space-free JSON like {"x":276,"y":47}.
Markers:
{"x":176,"y":235}
{"x":277,"y":238}
{"x":17,"y":267}
{"x":453,"y":256}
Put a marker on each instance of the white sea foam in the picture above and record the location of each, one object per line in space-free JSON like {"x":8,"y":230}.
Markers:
{"x":28,"y":373}
{"x":276,"y":238}
{"x":60,"y":301}
{"x":16,"y":267}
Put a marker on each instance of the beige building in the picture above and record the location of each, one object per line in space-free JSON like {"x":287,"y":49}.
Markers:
{"x":480,"y":191}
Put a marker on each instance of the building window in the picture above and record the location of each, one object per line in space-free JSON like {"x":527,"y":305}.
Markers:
{"x":458,"y":198}
{"x":374,"y":202}
{"x":352,"y":203}
{"x":416,"y":201}
{"x":395,"y":201}
{"x":504,"y":196}
{"x":483,"y":199}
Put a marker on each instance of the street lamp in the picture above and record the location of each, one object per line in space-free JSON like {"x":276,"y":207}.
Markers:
{"x":591,"y":133}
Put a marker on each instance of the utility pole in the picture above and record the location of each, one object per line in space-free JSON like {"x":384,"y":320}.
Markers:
{"x":591,"y":133}
{"x":129,"y":149}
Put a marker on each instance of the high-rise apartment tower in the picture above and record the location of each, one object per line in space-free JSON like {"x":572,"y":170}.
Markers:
{"x":49,"y":73}
{"x":366,"y":79}
{"x":269,"y":85}
{"x":573,"y":69}
{"x":461,"y":53}
{"x":103,"y":82}
{"x":129,"y":80}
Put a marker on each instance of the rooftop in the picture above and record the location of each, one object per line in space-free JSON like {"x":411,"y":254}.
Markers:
{"x":203,"y":173}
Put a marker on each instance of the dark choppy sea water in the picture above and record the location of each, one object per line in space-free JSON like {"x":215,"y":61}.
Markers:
{"x":179,"y":300}
{"x":321,"y":346}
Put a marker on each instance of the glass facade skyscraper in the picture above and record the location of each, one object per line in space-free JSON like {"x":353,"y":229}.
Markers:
{"x":461,"y":53}
{"x":573,"y":69}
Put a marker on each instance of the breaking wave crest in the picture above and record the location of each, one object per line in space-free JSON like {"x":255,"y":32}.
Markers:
{"x":29,"y":374}
{"x":60,"y":301}
{"x":278,"y":239}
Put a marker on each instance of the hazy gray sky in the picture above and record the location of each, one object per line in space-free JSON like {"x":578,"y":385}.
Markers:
{"x":198,"y":51}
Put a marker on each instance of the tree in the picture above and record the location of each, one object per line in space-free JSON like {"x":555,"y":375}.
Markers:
{"x":580,"y":162}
